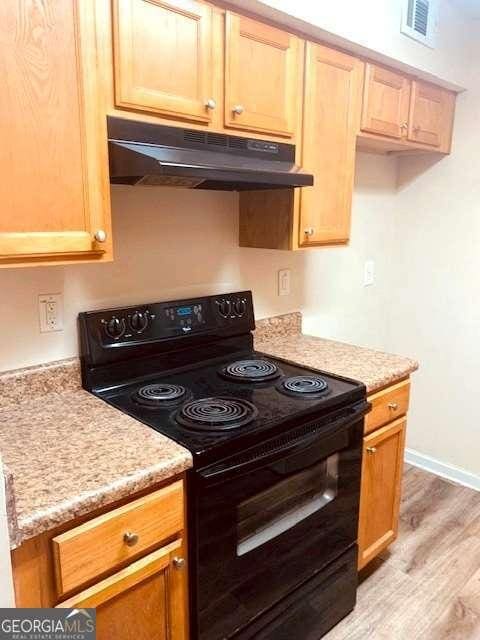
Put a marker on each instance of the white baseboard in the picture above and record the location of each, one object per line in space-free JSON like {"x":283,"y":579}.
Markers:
{"x":442,"y":469}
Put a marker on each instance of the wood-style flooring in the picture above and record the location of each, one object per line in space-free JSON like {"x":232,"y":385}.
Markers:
{"x":427,"y":586}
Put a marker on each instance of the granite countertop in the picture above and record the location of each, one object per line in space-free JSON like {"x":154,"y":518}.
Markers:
{"x":67,"y":453}
{"x":282,"y":337}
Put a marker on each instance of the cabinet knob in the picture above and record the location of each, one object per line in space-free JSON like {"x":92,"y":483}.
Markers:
{"x":178,"y":563}
{"x":130,"y":539}
{"x":404,"y":125}
{"x":371,"y":450}
{"x":238,"y":109}
{"x":100,"y":235}
{"x":309,"y":231}
{"x":393,"y":406}
{"x":210,"y":103}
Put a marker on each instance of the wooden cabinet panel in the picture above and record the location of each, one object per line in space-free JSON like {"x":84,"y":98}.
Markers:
{"x":431,"y":114}
{"x":387,"y":405}
{"x":162,"y":57}
{"x":151,"y":519}
{"x":386,"y":97}
{"x":332,"y":93}
{"x":382,"y":467}
{"x":261,"y":68}
{"x":54,"y":188}
{"x":146,"y":600}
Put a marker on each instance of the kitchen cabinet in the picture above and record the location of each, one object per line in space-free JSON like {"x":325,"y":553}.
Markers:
{"x":319,"y":214}
{"x":382,"y":466}
{"x":430,"y":114}
{"x":163,"y":58}
{"x":402,"y":114}
{"x":330,"y":121}
{"x":145,"y":600}
{"x":386,"y":98}
{"x":128,"y":561}
{"x":53,"y":157}
{"x":261,"y":67}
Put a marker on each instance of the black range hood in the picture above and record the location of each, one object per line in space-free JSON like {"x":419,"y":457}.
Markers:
{"x":142,"y":153}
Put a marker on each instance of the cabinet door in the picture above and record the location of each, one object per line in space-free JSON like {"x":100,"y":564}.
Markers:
{"x":382,"y":468}
{"x":330,"y":123}
{"x":386,"y":97}
{"x":162,"y":57}
{"x":261,"y":69}
{"x":146,"y":600}
{"x":430,"y":119}
{"x":54,"y":190}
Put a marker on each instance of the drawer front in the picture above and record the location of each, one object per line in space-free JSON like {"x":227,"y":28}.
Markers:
{"x":101,"y":544}
{"x":387,"y":405}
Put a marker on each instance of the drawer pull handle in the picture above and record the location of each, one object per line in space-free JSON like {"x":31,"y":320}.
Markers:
{"x":210,"y":103}
{"x":178,"y":563}
{"x":393,"y":406}
{"x":238,"y":109}
{"x":130,"y":539}
{"x":371,"y":450}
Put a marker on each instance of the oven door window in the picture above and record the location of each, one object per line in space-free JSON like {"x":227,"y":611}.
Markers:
{"x":295,"y":497}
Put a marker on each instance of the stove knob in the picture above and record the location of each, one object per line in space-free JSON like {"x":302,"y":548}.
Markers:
{"x":139,"y":321}
{"x":224,"y":307}
{"x":240,"y":306}
{"x":115,"y":327}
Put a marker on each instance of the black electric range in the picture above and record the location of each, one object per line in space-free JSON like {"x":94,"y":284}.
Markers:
{"x":273,"y":494}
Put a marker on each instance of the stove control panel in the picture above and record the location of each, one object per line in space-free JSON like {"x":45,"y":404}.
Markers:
{"x":229,"y":314}
{"x":232,"y":306}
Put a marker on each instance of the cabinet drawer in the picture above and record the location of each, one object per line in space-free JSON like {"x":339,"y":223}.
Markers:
{"x":101,"y":544}
{"x":387,"y":405}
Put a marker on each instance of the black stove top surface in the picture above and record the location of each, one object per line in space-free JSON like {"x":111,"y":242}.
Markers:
{"x":204,"y":409}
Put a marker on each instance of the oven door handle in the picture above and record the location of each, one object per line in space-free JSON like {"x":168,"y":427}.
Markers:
{"x":335,"y":436}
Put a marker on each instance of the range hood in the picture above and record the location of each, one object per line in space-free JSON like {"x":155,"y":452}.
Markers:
{"x":142,"y":153}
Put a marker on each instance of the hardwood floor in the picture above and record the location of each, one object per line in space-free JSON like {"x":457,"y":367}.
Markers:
{"x":427,"y":587}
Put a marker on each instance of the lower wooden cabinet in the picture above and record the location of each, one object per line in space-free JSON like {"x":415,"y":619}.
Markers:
{"x":145,"y":600}
{"x":382,"y":467}
{"x":128,"y":562}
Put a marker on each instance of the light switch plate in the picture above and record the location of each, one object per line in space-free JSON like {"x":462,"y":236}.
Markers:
{"x":50,"y":308}
{"x":369,"y":273}
{"x":284,"y":282}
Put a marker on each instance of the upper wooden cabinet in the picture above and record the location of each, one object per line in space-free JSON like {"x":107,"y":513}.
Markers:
{"x":400,"y":113}
{"x":333,"y":82}
{"x":163,"y":57}
{"x":54,"y":191}
{"x":386,"y":97}
{"x":261,"y":76}
{"x":431,"y":114}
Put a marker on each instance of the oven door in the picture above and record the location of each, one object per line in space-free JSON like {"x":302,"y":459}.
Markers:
{"x":267,"y":520}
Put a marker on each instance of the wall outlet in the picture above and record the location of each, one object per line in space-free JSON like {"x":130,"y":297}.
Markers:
{"x":50,"y":308}
{"x":284,"y":282}
{"x":369,"y":273}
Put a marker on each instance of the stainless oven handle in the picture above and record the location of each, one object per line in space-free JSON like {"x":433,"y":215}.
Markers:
{"x":252,"y":460}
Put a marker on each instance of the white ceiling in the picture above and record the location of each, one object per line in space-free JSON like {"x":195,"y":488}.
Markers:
{"x":472,"y":7}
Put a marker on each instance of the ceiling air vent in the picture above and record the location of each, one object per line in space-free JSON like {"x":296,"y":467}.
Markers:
{"x":420,"y":20}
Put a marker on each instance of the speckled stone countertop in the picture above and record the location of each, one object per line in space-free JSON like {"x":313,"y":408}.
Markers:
{"x":67,"y":453}
{"x":282,"y":337}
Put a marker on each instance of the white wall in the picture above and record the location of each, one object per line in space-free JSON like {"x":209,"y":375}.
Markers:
{"x":435,"y":309}
{"x":374,"y":26}
{"x":336,"y":304}
{"x":172,"y":243}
